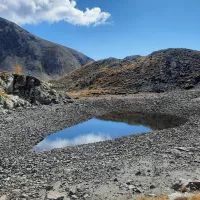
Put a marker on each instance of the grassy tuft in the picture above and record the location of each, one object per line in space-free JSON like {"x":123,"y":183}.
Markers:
{"x":165,"y":197}
{"x":162,"y":197}
{"x":86,"y":93}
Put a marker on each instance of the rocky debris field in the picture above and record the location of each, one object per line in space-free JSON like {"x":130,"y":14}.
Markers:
{"x":25,"y":91}
{"x":153,"y":163}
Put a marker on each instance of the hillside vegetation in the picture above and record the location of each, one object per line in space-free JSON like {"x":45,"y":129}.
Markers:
{"x":160,"y":71}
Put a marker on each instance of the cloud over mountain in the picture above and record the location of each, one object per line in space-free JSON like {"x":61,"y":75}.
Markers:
{"x":47,"y":144}
{"x":36,"y":11}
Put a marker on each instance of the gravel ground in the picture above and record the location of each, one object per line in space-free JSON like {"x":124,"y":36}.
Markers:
{"x":148,"y":163}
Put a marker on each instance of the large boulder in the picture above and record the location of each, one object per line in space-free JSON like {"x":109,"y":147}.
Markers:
{"x":22,"y":91}
{"x":14,"y":101}
{"x":34,"y":90}
{"x":53,"y":195}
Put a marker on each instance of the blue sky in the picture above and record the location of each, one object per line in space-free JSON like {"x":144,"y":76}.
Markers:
{"x":134,"y":27}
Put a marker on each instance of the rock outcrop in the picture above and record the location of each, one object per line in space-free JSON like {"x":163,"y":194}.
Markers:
{"x":24,"y":91}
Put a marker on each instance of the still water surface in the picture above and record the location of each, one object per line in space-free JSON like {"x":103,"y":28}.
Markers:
{"x":107,"y":127}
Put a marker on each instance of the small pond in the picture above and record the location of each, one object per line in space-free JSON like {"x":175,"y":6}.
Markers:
{"x":107,"y":127}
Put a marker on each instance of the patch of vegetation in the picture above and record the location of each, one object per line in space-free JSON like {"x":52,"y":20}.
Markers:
{"x":165,"y":197}
{"x":17,"y":69}
{"x":86,"y":93}
{"x":3,"y":97}
{"x":103,"y":69}
{"x":162,"y":197}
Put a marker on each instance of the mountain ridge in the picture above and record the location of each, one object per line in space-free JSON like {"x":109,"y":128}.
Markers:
{"x":37,"y":57}
{"x":160,"y":71}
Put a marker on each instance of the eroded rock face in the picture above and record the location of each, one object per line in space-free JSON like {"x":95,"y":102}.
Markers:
{"x":23,"y":91}
{"x":34,"y":90}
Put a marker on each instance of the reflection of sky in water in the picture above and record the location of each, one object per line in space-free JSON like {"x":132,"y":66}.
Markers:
{"x":94,"y":130}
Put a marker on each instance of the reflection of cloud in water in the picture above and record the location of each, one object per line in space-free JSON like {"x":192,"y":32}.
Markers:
{"x":59,"y":143}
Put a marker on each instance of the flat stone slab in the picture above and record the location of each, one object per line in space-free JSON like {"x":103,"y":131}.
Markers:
{"x":53,"y":195}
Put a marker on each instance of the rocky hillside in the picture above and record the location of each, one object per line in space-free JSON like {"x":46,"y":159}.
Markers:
{"x":25,"y":91}
{"x":37,"y":57}
{"x":88,"y":75}
{"x":160,"y":71}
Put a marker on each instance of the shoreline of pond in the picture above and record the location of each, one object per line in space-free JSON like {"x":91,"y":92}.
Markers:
{"x":101,"y":169}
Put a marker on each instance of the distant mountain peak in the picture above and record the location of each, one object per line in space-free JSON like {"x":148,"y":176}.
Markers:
{"x":132,"y":58}
{"x":36,"y":56}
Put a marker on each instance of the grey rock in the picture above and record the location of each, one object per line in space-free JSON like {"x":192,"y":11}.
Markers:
{"x":74,"y":197}
{"x":72,"y":191}
{"x":4,"y":197}
{"x":86,"y":196}
{"x":53,"y":195}
{"x":129,"y":182}
{"x":9,"y":104}
{"x":138,"y":173}
{"x":28,"y":90}
{"x":152,"y":187}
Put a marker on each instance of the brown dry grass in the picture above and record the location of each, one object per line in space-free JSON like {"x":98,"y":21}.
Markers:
{"x":4,"y":73}
{"x":195,"y":197}
{"x":17,"y":69}
{"x":1,"y":93}
{"x":162,"y":197}
{"x":181,"y":198}
{"x":86,"y":93}
{"x":165,"y":197}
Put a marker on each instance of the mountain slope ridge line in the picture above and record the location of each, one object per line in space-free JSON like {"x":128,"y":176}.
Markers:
{"x":37,"y":57}
{"x":161,"y":71}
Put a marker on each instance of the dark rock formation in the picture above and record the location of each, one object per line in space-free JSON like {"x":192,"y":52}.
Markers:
{"x":37,"y":57}
{"x":24,"y":91}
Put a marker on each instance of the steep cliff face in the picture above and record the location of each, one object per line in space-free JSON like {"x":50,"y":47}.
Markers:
{"x":37,"y":57}
{"x":160,"y":71}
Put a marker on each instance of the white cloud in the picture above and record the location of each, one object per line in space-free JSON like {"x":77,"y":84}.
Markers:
{"x":60,"y":143}
{"x":36,"y":11}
